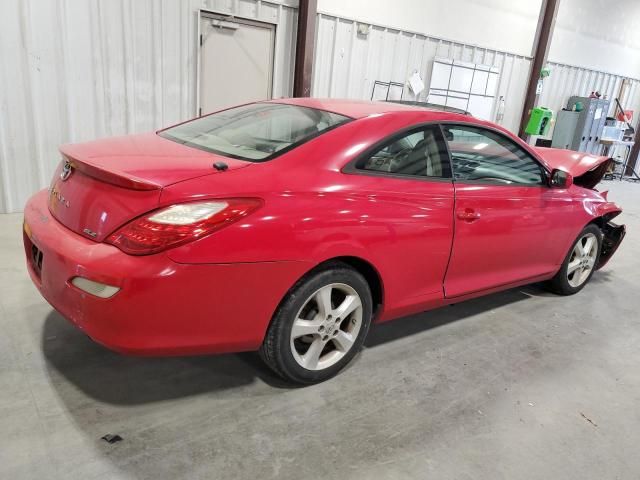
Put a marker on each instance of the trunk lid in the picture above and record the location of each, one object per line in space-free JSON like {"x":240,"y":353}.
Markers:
{"x":112,"y":181}
{"x":587,"y":170}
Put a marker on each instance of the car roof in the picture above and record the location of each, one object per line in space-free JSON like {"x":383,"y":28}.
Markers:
{"x":354,"y":108}
{"x":365,"y":108}
{"x":357,"y":109}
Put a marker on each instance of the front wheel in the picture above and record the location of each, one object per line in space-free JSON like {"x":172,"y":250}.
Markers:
{"x":320,"y":325}
{"x":580,"y":263}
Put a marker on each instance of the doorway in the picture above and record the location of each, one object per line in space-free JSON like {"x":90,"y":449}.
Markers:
{"x":236,"y":61}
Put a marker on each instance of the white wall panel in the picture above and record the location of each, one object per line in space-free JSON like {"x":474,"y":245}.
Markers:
{"x":76,"y":70}
{"x":347,"y":64}
{"x":491,"y":23}
{"x":602,"y":35}
{"x":598,"y":34}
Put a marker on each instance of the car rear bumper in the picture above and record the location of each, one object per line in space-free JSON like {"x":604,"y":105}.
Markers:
{"x":162,"y":307}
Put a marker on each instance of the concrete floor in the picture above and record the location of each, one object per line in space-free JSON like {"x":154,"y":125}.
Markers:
{"x":521,"y":384}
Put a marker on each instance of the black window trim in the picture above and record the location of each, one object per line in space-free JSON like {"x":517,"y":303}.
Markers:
{"x":353,"y":166}
{"x":546,"y":175}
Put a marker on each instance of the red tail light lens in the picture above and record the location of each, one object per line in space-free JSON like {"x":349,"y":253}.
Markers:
{"x":180,"y":224}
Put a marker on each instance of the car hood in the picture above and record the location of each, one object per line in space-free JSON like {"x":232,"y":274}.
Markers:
{"x":587,"y":170}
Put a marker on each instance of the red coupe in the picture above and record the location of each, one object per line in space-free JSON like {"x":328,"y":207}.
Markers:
{"x":290,"y":226}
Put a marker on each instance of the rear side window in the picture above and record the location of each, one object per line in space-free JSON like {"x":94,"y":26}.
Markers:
{"x":485,"y":156}
{"x":256,"y":132}
{"x":420,"y":153}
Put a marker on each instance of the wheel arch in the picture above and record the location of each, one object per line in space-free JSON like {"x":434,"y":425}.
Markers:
{"x":360,"y":265}
{"x":603,"y":219}
{"x":612,"y":235}
{"x":370,"y":274}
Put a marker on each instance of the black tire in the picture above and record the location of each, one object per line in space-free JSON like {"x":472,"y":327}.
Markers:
{"x":560,"y":282}
{"x":276,"y":350}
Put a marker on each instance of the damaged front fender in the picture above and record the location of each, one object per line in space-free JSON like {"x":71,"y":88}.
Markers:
{"x":612,"y":236}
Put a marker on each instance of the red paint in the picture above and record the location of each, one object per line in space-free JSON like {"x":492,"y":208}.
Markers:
{"x":521,"y":232}
{"x":218,"y":293}
{"x":576,"y":163}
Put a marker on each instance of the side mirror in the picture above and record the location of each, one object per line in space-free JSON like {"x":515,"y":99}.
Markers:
{"x":560,"y":179}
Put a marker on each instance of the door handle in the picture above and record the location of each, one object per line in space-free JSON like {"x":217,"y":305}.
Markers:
{"x":468,"y":215}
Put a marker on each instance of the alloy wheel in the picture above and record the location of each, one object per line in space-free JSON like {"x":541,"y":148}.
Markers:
{"x":326,"y":327}
{"x":582,"y":260}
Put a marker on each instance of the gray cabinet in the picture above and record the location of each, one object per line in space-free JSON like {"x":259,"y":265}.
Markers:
{"x":588,"y":124}
{"x":565,"y":129}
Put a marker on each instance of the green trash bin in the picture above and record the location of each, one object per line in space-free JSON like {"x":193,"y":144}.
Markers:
{"x":539,"y":121}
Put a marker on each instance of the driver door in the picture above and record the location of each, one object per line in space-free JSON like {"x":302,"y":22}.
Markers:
{"x":507,"y":220}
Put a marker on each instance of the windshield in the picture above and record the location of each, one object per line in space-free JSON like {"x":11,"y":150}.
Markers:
{"x":255,"y":132}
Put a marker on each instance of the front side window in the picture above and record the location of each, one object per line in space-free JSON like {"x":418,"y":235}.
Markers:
{"x":419,"y":153}
{"x":485,"y":156}
{"x":255,"y":132}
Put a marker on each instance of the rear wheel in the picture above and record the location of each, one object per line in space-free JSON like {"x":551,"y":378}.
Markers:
{"x":579,"y":265}
{"x":320,"y":325}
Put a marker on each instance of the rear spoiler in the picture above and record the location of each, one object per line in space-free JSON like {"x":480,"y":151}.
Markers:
{"x":120,"y":179}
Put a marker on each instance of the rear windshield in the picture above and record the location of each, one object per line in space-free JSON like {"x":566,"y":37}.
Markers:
{"x":256,"y":132}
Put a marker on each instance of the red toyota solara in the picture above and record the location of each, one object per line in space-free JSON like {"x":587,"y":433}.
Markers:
{"x":290,"y":226}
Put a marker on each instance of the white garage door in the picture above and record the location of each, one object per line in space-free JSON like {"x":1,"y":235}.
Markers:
{"x":236,"y":61}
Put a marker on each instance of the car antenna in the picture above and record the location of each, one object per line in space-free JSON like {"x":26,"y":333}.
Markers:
{"x":221,"y":166}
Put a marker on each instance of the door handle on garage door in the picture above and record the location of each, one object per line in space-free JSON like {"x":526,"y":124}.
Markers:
{"x":468,"y":215}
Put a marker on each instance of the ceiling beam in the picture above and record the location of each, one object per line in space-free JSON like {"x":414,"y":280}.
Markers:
{"x":540,"y":51}
{"x":305,"y":45}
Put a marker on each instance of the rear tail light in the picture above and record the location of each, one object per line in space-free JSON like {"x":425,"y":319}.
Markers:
{"x":180,"y":224}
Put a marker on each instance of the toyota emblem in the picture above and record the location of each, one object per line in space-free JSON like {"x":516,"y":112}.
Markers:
{"x":66,"y":170}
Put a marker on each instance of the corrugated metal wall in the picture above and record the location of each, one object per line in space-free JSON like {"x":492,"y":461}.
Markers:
{"x":566,"y":80}
{"x":347,"y":63}
{"x":74,"y":70}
